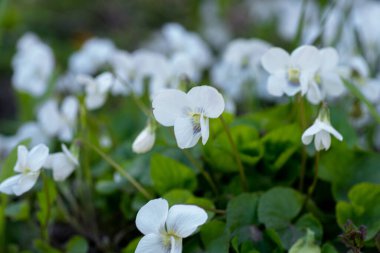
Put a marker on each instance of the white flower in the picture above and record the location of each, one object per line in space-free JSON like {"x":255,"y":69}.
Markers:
{"x":327,"y":81}
{"x":31,"y":74}
{"x":320,"y":131}
{"x":96,"y":89}
{"x":144,"y":141}
{"x":188,"y":113}
{"x":61,"y":121}
{"x":93,"y":55}
{"x":62,"y":164}
{"x":164,"y":228}
{"x":290,"y":74}
{"x":28,"y":166}
{"x":124,"y":68}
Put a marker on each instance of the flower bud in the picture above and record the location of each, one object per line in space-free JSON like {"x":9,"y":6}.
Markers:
{"x":305,"y":244}
{"x":144,"y":141}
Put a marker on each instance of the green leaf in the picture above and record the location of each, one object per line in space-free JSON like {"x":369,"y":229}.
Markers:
{"x":168,"y":174}
{"x":328,"y":248}
{"x":77,"y":244}
{"x":106,"y":187}
{"x":46,"y":197}
{"x":308,"y":221}
{"x":363,"y":208}
{"x":242,"y":211}
{"x":177,"y":196}
{"x":219,"y":153}
{"x":42,"y":247}
{"x":356,"y":166}
{"x":18,"y":210}
{"x":131,"y":248}
{"x":212,"y":231}
{"x":280,"y":144}
{"x":278,"y":206}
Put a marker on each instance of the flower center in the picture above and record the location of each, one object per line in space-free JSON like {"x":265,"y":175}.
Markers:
{"x":294,"y":76}
{"x":167,"y":240}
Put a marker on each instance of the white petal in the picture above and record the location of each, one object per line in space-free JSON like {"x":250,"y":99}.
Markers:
{"x":94,"y":101}
{"x":307,"y":136}
{"x":37,"y":157}
{"x":276,"y":85}
{"x":275,"y":60}
{"x":291,"y":89}
{"x":329,"y":58}
{"x":332,"y":84}
{"x":144,"y":141}
{"x":68,"y":153}
{"x":70,"y":108}
{"x":49,"y":117}
{"x":7,"y":185}
{"x":318,"y":141}
{"x":328,"y":128}
{"x":61,"y":165}
{"x":151,"y":243}
{"x":208,"y":99}
{"x":175,"y":245}
{"x":25,"y":183}
{"x":104,"y":82}
{"x":314,"y":95}
{"x":326,"y":139}
{"x":306,"y":58}
{"x":169,"y":105}
{"x":186,"y":134}
{"x":183,"y":220}
{"x":205,"y":131}
{"x":22,"y":158}
{"x":152,"y":216}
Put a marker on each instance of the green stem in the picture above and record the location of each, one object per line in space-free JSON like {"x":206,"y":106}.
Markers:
{"x":235,"y":152}
{"x":3,"y":7}
{"x":4,"y":200}
{"x":119,"y":169}
{"x":357,"y":93}
{"x":201,"y":169}
{"x":315,"y":180}
{"x":85,"y":163}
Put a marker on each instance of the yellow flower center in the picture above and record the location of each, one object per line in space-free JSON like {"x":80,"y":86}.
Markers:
{"x":294,"y":76}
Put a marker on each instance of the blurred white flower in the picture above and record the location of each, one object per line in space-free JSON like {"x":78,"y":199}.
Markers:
{"x":326,"y":81}
{"x":123,"y":66}
{"x":28,"y":165}
{"x":29,"y":130}
{"x":94,"y":54}
{"x":189,"y":113}
{"x":62,"y":163}
{"x":290,"y":74}
{"x":96,"y":89}
{"x":33,"y":65}
{"x":145,"y":140}
{"x":164,"y":228}
{"x":240,"y":63}
{"x":320,"y":131}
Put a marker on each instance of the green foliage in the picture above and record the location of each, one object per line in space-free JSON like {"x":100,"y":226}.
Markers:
{"x":168,"y":174}
{"x":242,"y":211}
{"x":77,"y":244}
{"x":363,"y":208}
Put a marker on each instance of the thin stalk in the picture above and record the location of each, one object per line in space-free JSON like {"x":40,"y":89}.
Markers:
{"x":235,"y":152}
{"x":119,"y":169}
{"x":315,"y":180}
{"x":201,"y":170}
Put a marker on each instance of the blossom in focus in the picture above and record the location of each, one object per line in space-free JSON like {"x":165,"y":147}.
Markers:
{"x":290,"y":74}
{"x":320,"y":131}
{"x":145,"y":140}
{"x":94,"y":54}
{"x":327,"y":81}
{"x":96,"y":89}
{"x":164,"y":228}
{"x":189,"y":113}
{"x":28,"y":165}
{"x":62,"y":163}
{"x":61,"y":121}
{"x":31,"y":74}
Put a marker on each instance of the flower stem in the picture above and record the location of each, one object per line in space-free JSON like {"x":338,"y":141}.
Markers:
{"x":235,"y":152}
{"x":201,"y":169}
{"x":119,"y":169}
{"x":315,"y":180}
